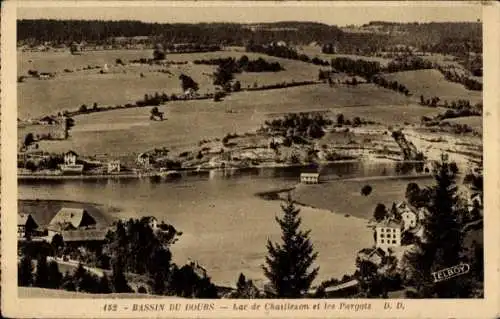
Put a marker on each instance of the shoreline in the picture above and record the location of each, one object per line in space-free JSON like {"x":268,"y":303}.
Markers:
{"x":194,"y":171}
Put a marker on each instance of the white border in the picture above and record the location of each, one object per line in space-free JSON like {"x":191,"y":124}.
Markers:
{"x":12,"y":306}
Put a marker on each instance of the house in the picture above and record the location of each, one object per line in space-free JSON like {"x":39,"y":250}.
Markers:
{"x":114,"y":166}
{"x":144,"y":160}
{"x":70,"y":158}
{"x":409,"y":215}
{"x":387,"y":234}
{"x":68,"y":219}
{"x":26,"y":224}
{"x":342,"y":290}
{"x":373,"y":255}
{"x":70,"y":166}
{"x":45,"y":76}
{"x":309,"y":178}
{"x":474,"y":201}
{"x":47,"y":120}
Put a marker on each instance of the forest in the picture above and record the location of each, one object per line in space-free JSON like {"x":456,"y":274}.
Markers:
{"x":449,"y":38}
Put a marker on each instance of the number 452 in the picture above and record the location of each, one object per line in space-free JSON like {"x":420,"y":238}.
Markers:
{"x":110,"y":307}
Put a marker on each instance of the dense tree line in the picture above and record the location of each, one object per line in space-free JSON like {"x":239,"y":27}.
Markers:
{"x":244,"y":64}
{"x":103,"y":32}
{"x":360,"y":67}
{"x":393,"y":85}
{"x":408,"y":63}
{"x":467,"y":81}
{"x":456,"y":38}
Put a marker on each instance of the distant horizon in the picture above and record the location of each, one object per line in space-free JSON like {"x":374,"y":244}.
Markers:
{"x":255,"y":23}
{"x":332,"y":14}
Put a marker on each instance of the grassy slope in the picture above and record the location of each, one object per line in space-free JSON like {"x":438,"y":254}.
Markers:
{"x":124,"y":84}
{"x":476,"y":122}
{"x":315,"y":51}
{"x":384,"y":191}
{"x":431,"y":83}
{"x":130,"y":130}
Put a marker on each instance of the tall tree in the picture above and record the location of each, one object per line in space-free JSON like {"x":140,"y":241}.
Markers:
{"x":442,"y":243}
{"x":118,"y":279}
{"x":25,"y":272}
{"x":54,"y":275}
{"x":104,"y":285}
{"x":288,"y":263}
{"x":42,"y":272}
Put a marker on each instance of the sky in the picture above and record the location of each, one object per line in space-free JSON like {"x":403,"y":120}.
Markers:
{"x":339,"y":13}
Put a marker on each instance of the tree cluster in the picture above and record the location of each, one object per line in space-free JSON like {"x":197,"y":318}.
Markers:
{"x":243,"y":64}
{"x":408,"y":63}
{"x":308,"y":125}
{"x":363,"y":68}
{"x":134,"y":247}
{"x":393,"y":85}
{"x":442,"y":245}
{"x":456,"y":77}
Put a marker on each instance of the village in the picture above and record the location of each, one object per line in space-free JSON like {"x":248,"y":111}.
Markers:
{"x":195,"y":160}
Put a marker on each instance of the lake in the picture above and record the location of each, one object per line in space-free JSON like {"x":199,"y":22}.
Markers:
{"x":225,"y":225}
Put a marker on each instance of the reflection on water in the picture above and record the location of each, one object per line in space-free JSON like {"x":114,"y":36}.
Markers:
{"x":265,"y":175}
{"x":152,"y":194}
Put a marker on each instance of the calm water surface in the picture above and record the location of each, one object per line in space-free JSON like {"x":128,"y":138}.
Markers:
{"x":225,"y":226}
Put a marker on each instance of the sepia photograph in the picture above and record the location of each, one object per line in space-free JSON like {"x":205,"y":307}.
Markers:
{"x":170,"y":152}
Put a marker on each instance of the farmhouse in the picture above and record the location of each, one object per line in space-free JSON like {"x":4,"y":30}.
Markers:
{"x":70,"y":219}
{"x":387,"y":234}
{"x":309,"y":178}
{"x":373,"y":255}
{"x":47,"y":120}
{"x":26,"y":224}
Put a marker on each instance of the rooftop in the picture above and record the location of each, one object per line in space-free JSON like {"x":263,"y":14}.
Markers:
{"x":73,"y":216}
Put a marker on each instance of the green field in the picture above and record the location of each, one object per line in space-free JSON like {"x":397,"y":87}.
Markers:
{"x":125,"y":131}
{"x":123,"y":84}
{"x":430,"y":83}
{"x":476,"y":122}
{"x":385,"y":191}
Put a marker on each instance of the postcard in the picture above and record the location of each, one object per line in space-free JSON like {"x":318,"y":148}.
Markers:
{"x":250,"y":159}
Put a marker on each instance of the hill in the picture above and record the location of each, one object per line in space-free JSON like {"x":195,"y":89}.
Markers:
{"x":430,"y":83}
